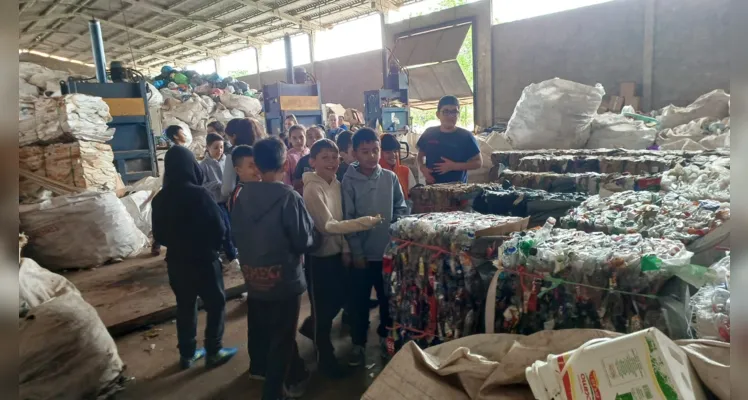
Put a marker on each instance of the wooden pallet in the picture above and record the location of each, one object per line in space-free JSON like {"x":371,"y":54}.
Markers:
{"x":135,"y":293}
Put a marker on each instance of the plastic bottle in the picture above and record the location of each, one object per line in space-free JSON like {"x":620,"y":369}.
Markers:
{"x":545,"y":232}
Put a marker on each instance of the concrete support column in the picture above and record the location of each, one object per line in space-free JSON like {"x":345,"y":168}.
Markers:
{"x":312,"y":43}
{"x":217,"y":63}
{"x":258,"y":56}
{"x":385,"y":46}
{"x":648,"y":61}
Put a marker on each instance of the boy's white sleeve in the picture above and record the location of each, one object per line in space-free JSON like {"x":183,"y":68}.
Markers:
{"x":323,"y":219}
{"x":229,"y":179}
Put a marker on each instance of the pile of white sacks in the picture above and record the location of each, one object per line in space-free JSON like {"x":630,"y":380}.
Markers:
{"x":560,"y":114}
{"x":194,"y":111}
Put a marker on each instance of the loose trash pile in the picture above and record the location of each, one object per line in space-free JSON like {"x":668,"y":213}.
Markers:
{"x":435,"y":287}
{"x":562,"y":279}
{"x":710,"y":306}
{"x":650,"y":214}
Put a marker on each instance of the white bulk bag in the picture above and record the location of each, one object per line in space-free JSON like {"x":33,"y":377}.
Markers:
{"x":715,"y":104}
{"x":248,"y":105}
{"x":554,"y":114}
{"x":79,"y":231}
{"x":614,"y":131}
{"x":65,"y":352}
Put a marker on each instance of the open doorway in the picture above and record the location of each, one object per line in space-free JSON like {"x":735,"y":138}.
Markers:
{"x":439,"y":62}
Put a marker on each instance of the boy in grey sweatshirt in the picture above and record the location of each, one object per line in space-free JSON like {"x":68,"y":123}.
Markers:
{"x":273,"y":230}
{"x":369,"y":190}
{"x":212,"y":167}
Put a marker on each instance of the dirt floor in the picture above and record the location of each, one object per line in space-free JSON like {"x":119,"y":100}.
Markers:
{"x":151,"y":357}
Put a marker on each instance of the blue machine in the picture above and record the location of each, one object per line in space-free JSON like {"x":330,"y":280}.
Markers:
{"x":296,"y":96}
{"x":132,"y":144}
{"x":126,"y":93}
{"x":283,"y":99}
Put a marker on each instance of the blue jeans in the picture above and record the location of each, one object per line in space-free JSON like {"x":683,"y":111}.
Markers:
{"x":228,"y":243}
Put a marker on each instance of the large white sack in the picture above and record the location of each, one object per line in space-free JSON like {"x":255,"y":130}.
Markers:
{"x":715,"y":104}
{"x":682,"y":145}
{"x":73,"y":116}
{"x":198,"y":146}
{"x":37,"y":285}
{"x":694,"y":130}
{"x":46,"y":79}
{"x":155,"y":98}
{"x":194,"y":112}
{"x":554,"y":114}
{"x":172,"y":120}
{"x":613,"y":131}
{"x":65,"y":352}
{"x":26,"y":89}
{"x":79,"y":231}
{"x":28,"y":69}
{"x":713,"y":142}
{"x":248,"y":105}
{"x":138,"y":205}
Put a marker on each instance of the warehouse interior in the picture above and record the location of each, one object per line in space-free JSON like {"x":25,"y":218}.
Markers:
{"x":599,"y":215}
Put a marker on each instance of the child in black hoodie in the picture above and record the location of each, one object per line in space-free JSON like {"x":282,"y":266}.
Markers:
{"x":272,"y":231}
{"x":188,"y":222}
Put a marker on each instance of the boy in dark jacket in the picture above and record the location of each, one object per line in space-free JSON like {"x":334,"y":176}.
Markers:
{"x":272,"y":230}
{"x":188,"y":222}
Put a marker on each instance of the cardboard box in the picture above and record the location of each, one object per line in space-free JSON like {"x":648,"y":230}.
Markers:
{"x":633,"y":102}
{"x":615,"y":104}
{"x":640,"y":365}
{"x":627,"y":89}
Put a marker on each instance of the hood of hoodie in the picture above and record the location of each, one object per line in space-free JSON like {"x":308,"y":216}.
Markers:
{"x":264,"y":196}
{"x":181,"y":168}
{"x":354,"y":173}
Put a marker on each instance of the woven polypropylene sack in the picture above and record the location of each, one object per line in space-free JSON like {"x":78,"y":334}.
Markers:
{"x":554,"y":114}
{"x":65,"y":352}
{"x":79,"y":231}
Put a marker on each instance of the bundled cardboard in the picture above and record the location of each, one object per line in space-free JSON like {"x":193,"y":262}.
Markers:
{"x":31,"y":158}
{"x":444,"y":197}
{"x":86,"y":165}
{"x":602,"y":164}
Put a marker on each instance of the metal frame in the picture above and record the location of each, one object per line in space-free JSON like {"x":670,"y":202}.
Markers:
{"x":204,"y":33}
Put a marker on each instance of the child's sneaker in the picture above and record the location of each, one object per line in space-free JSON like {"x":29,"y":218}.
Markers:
{"x":357,"y":356}
{"x":298,"y":389}
{"x":186,"y":363}
{"x":222,"y":357}
{"x":234,"y":265}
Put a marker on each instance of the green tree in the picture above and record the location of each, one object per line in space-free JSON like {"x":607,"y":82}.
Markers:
{"x":239,"y":73}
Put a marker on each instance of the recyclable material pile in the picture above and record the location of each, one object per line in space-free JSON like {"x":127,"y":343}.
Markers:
{"x":652,"y":215}
{"x":522,"y":202}
{"x":562,"y":279}
{"x":710,"y":306}
{"x":436,"y":288}
{"x":444,"y":197}
{"x":702,"y":125}
{"x":706,"y":179}
{"x":35,"y":80}
{"x":63,"y":139}
{"x":588,"y":182}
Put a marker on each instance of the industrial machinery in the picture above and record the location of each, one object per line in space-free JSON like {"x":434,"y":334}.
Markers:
{"x":126,"y":93}
{"x":296,"y":96}
{"x":388,"y":107}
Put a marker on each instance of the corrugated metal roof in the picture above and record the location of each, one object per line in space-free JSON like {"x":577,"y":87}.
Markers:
{"x":157,"y":32}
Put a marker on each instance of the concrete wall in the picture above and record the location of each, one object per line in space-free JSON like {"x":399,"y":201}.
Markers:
{"x":596,"y":44}
{"x":691,"y":50}
{"x":57,"y":65}
{"x":343,"y":80}
{"x":685,"y":55}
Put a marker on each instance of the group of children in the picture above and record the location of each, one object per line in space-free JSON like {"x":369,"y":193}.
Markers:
{"x":322,"y":228}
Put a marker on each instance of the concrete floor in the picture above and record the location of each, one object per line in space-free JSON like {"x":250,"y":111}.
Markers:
{"x":156,"y":374}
